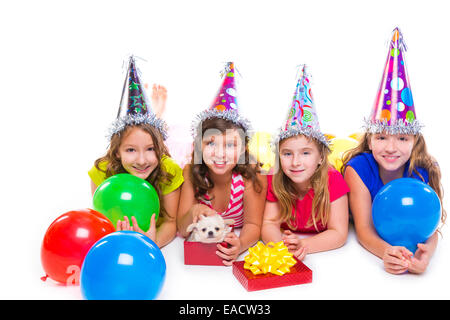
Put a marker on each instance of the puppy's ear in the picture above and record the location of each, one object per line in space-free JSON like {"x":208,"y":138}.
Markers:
{"x":228,"y":222}
{"x":191,"y":227}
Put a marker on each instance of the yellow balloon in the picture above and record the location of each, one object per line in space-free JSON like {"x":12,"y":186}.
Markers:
{"x":357,"y":136}
{"x":338,"y":147}
{"x":259,"y":146}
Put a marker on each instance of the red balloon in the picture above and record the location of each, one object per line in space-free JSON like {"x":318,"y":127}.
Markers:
{"x":68,"y":240}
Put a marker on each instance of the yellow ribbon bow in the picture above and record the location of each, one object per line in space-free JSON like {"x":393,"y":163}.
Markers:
{"x":273,"y":257}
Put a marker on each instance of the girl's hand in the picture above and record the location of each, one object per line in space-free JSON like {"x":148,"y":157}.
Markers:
{"x":230,"y":254}
{"x":125,"y":225}
{"x":201,"y":209}
{"x":294,"y":244}
{"x":396,"y":259}
{"x":420,"y":260}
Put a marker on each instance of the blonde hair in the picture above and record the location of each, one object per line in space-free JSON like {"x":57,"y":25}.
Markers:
{"x":285,"y":191}
{"x":114,"y":165}
{"x":419,"y":158}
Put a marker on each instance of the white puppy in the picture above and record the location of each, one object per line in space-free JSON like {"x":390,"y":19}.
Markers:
{"x":209,"y":229}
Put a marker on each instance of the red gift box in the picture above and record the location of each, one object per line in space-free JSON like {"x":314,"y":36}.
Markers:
{"x":204,"y":254}
{"x":298,"y":274}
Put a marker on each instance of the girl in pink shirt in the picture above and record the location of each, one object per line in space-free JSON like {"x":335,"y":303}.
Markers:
{"x":301,"y":219}
{"x":306,"y":194}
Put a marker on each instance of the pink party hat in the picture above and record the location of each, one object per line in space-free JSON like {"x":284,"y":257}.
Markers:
{"x":302,"y":117}
{"x":225,"y":104}
{"x":393,"y":111}
{"x":226,"y":97}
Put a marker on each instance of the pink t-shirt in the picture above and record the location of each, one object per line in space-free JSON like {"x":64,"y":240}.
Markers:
{"x":337,"y":187}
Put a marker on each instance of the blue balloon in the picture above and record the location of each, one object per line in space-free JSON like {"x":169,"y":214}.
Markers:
{"x":123,"y":265}
{"x":406,"y":212}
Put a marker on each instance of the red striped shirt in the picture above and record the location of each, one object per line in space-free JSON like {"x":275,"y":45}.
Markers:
{"x":235,"y":208}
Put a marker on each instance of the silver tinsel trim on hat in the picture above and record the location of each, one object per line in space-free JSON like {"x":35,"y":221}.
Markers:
{"x":399,"y":127}
{"x":230,"y":115}
{"x":130,"y":120}
{"x":294,"y":131}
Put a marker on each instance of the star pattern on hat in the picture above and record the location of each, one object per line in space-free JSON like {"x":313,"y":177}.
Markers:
{"x":137,"y":108}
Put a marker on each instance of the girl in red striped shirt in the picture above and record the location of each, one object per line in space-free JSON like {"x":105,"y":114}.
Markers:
{"x":220,"y":178}
{"x":222,"y":181}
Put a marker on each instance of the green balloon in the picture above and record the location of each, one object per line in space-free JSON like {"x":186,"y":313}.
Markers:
{"x":127,"y":195}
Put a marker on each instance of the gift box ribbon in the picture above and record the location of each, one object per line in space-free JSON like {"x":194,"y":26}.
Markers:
{"x":273,"y":257}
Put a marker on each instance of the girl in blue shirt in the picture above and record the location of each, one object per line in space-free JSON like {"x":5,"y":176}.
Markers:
{"x":393,"y":147}
{"x":377,"y":160}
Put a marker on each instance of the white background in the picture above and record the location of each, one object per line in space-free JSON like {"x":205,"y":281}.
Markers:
{"x":61,"y":78}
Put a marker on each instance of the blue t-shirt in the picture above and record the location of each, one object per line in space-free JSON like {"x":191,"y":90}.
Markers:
{"x":367,"y":168}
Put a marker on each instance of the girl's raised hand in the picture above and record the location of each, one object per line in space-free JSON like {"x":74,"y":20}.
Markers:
{"x":230,"y":254}
{"x":397,"y":259}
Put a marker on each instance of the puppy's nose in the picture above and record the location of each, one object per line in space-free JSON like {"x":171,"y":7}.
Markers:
{"x":210,"y":234}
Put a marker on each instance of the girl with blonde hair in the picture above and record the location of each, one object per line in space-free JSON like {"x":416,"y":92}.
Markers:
{"x":392,"y":147}
{"x":306,"y":194}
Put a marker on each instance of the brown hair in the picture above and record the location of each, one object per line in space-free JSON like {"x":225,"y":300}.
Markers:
{"x":199,"y":171}
{"x":285,"y":191}
{"x":419,"y":158}
{"x":157,"y":176}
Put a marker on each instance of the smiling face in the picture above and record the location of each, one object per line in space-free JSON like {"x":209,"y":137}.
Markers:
{"x":137,"y":153}
{"x":299,"y":159}
{"x":221,"y":151}
{"x":391,"y":151}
